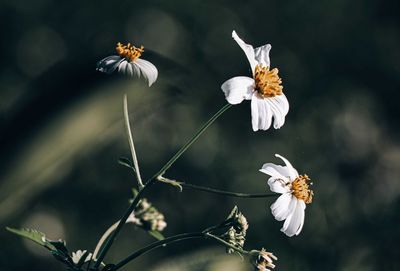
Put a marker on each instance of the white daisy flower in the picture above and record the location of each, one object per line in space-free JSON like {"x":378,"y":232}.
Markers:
{"x":290,"y":206}
{"x":128,"y":62}
{"x":264,"y":89}
{"x":76,"y":256}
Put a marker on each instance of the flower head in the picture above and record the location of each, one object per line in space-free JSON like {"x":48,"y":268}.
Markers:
{"x":262,"y":260}
{"x":128,"y":62}
{"x":76,"y":256}
{"x":264,"y":89}
{"x":147,"y":217}
{"x":296,"y":193}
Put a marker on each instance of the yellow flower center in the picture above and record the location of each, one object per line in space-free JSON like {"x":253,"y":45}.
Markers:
{"x":301,"y":190}
{"x":268,"y":82}
{"x":129,"y":51}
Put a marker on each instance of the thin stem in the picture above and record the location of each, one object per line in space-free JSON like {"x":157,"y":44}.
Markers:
{"x":103,"y":238}
{"x":216,"y":238}
{"x":157,"y":244}
{"x":172,"y":239}
{"x":217,"y":191}
{"x":121,"y":223}
{"x":149,"y":182}
{"x":191,"y":141}
{"x":131,"y":144}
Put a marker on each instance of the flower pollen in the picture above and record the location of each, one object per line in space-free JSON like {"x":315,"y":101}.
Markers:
{"x":268,"y":82}
{"x":129,"y":51}
{"x":301,"y":190}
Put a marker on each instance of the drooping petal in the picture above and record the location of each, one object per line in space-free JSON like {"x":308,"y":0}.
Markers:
{"x":261,"y":114}
{"x":122,"y":66}
{"x":109,"y":64}
{"x":290,"y":169}
{"x":283,"y":206}
{"x":248,"y":50}
{"x":276,"y":171}
{"x":279,"y":107}
{"x":295,"y":221}
{"x":147,"y":69}
{"x":261,"y":55}
{"x":238,"y":89}
{"x":279,"y":184}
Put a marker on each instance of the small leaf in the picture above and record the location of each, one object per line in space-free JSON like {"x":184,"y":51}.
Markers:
{"x":126,"y":162}
{"x":156,"y":234}
{"x":33,"y":235}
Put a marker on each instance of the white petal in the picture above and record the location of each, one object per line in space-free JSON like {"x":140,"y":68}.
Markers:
{"x":122,"y":66}
{"x":129,"y":69}
{"x":283,"y":206}
{"x":279,"y":106}
{"x":290,"y":169}
{"x":238,"y":89}
{"x":275,"y":170}
{"x":261,"y":114}
{"x":262,"y":55}
{"x":248,"y":50}
{"x":278,"y":184}
{"x":295,"y":220}
{"x":109,"y":64}
{"x":148,"y":70}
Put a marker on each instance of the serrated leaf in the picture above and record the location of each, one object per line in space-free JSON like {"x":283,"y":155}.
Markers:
{"x":126,"y":162}
{"x":156,"y":234}
{"x":33,"y":235}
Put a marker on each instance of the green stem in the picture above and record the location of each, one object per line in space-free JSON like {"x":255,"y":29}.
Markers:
{"x":149,"y":182}
{"x":172,"y":239}
{"x":157,"y":244}
{"x":190,"y":142}
{"x":216,"y":191}
{"x":131,"y":144}
{"x":121,"y":223}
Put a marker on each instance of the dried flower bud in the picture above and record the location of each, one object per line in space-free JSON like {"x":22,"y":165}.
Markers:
{"x":147,"y":217}
{"x":236,"y":235}
{"x":263,"y":260}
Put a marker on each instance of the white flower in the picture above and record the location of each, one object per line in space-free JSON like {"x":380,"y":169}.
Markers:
{"x":76,"y":256}
{"x":264,"y":89}
{"x":128,"y":62}
{"x":290,"y":206}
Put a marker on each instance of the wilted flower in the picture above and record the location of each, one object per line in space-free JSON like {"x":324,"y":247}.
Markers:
{"x":264,"y":89}
{"x":236,"y":235}
{"x":128,"y":62}
{"x":147,"y":217}
{"x":290,"y":206}
{"x":76,"y":256}
{"x":263,"y":260}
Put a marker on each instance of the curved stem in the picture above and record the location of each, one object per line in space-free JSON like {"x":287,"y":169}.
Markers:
{"x":157,"y":244}
{"x":121,"y":223}
{"x":172,"y":239}
{"x":191,"y":141}
{"x":131,"y":144}
{"x":103,"y":238}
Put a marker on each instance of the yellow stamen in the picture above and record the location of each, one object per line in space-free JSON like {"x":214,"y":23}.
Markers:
{"x":268,"y":82}
{"x":129,"y":51}
{"x":301,"y":190}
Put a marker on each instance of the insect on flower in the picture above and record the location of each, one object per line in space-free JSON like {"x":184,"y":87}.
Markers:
{"x":128,"y":62}
{"x":264,"y":89}
{"x":296,"y":193}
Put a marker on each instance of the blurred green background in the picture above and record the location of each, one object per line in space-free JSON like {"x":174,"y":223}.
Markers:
{"x":61,"y":128}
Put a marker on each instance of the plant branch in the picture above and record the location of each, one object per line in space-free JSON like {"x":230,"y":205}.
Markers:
{"x":131,"y":144}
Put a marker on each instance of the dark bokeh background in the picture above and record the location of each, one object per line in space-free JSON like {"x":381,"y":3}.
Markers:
{"x":61,"y":129}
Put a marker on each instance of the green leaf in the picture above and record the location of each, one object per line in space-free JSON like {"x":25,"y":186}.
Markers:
{"x":126,"y":162}
{"x":156,"y":234}
{"x":33,"y":235}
